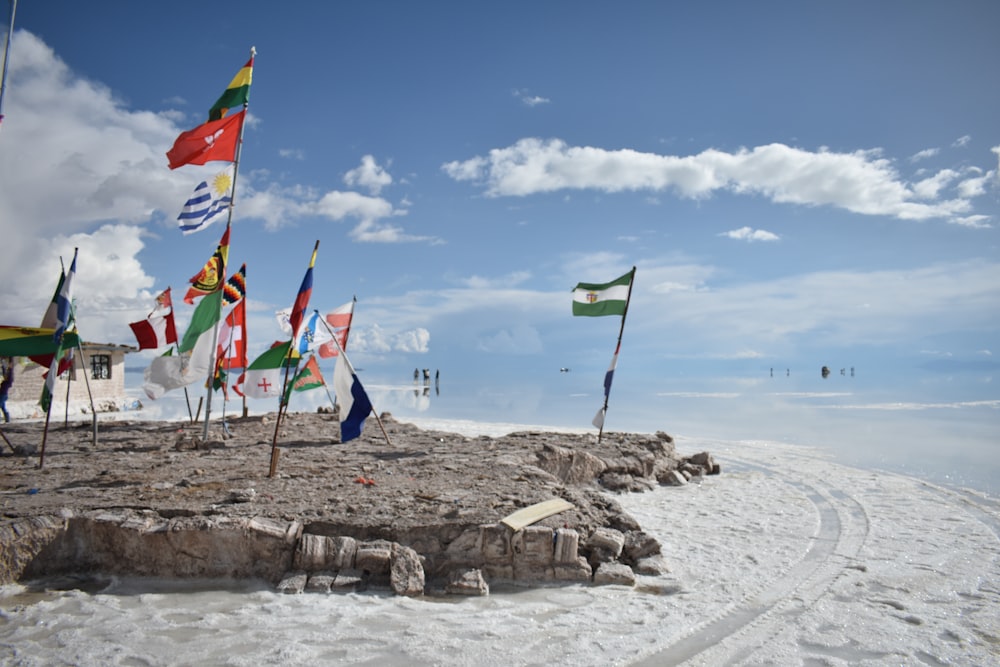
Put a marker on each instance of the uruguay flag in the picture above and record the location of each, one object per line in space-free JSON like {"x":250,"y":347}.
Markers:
{"x":351,"y":397}
{"x":208,"y":202}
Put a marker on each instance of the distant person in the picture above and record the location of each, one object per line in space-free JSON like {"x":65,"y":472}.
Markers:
{"x":7,"y":371}
{"x":416,"y":374}
{"x":427,"y":375}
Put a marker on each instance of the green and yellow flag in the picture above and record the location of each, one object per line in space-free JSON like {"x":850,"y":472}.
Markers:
{"x":237,"y":93}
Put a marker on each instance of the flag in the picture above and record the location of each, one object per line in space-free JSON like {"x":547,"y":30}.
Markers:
{"x":209,"y":202}
{"x":237,"y":93}
{"x":351,"y":397}
{"x":199,"y":339}
{"x":236,"y":287}
{"x":263,"y":376}
{"x":48,"y":389}
{"x":298,"y":313}
{"x":214,"y":140}
{"x":232,"y":352}
{"x":32,"y":341}
{"x":602,"y":299}
{"x":49,"y":321}
{"x":309,"y":377}
{"x":339,"y":321}
{"x":64,"y":318}
{"x":306,"y":340}
{"x":166,"y":372}
{"x":206,"y":315}
{"x":209,"y":279}
{"x":598,"y":420}
{"x":64,"y":302}
{"x":158,"y":328}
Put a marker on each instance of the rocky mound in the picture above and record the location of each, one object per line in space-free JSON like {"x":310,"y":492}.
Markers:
{"x":418,"y":513}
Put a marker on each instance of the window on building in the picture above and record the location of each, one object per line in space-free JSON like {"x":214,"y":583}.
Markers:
{"x":100,"y":366}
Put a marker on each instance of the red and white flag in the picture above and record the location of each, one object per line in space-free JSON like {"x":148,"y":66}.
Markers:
{"x":339,"y":320}
{"x":232,"y":352}
{"x":158,"y":329}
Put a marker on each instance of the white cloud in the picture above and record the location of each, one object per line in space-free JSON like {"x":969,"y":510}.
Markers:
{"x":292,"y":153}
{"x":368,"y":175}
{"x":748,"y":234}
{"x":375,"y":340}
{"x":924,"y":154}
{"x":530,"y":100}
{"x":862,"y":181}
{"x":962,"y":141}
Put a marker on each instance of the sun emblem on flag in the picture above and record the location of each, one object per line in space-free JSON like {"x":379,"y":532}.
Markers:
{"x":591,"y":297}
{"x":222,"y":183}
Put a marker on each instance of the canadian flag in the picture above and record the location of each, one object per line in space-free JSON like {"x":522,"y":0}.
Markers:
{"x":339,"y":320}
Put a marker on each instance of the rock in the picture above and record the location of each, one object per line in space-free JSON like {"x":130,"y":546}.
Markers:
{"x":614,"y":574}
{"x":467,"y":582}
{"x":638,"y":545}
{"x":651,"y":565}
{"x":605,"y":545}
{"x":406,"y":574}
{"x":673,"y":478}
{"x":570,"y":466}
{"x":566,"y":546}
{"x":321,"y":582}
{"x":242,"y":495}
{"x":373,"y":557}
{"x":292,"y":583}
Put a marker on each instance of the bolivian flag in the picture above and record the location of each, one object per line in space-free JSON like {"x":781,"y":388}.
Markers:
{"x":30,"y":341}
{"x":237,"y":93}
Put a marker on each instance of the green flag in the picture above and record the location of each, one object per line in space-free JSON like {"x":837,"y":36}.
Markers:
{"x":596,"y":299}
{"x":206,"y":315}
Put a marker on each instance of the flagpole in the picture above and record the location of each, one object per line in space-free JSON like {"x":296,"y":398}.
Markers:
{"x":229,"y":222}
{"x":621,"y":330}
{"x":282,"y":400}
{"x":6,"y":56}
{"x":343,"y":352}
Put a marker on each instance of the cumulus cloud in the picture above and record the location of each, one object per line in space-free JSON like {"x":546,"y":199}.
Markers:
{"x":862,"y":181}
{"x":748,"y":234}
{"x":375,"y":340}
{"x":368,"y":175}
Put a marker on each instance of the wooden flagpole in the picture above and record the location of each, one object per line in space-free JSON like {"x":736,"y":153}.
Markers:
{"x":282,"y":401}
{"x":618,"y":346}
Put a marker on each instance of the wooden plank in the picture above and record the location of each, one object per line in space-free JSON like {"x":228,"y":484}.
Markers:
{"x":534,"y":513}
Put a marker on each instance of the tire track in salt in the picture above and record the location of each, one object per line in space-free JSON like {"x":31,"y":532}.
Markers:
{"x":840,"y":536}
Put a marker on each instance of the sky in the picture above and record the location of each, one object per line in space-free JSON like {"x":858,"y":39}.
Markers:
{"x":797,"y":184}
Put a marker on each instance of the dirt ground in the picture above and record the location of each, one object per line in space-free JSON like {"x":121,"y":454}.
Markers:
{"x":368,"y":487}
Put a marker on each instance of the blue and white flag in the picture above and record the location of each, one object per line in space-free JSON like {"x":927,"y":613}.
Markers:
{"x":351,"y":397}
{"x":209,"y":202}
{"x":64,"y":302}
{"x":598,"y":420}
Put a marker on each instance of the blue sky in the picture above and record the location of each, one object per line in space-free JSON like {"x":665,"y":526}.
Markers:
{"x":798,"y":184}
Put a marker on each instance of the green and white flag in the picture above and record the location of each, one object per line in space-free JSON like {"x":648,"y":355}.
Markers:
{"x":595,"y":300}
{"x":263,"y":377}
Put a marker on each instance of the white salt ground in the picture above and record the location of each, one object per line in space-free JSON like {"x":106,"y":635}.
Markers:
{"x":784,"y":559}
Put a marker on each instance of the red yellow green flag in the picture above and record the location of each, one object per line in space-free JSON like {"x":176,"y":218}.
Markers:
{"x":237,"y":93}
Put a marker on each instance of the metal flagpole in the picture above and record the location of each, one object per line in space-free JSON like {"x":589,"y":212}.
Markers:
{"x":6,"y":56}
{"x":222,"y":278}
{"x":346,"y":360}
{"x":621,"y":330}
